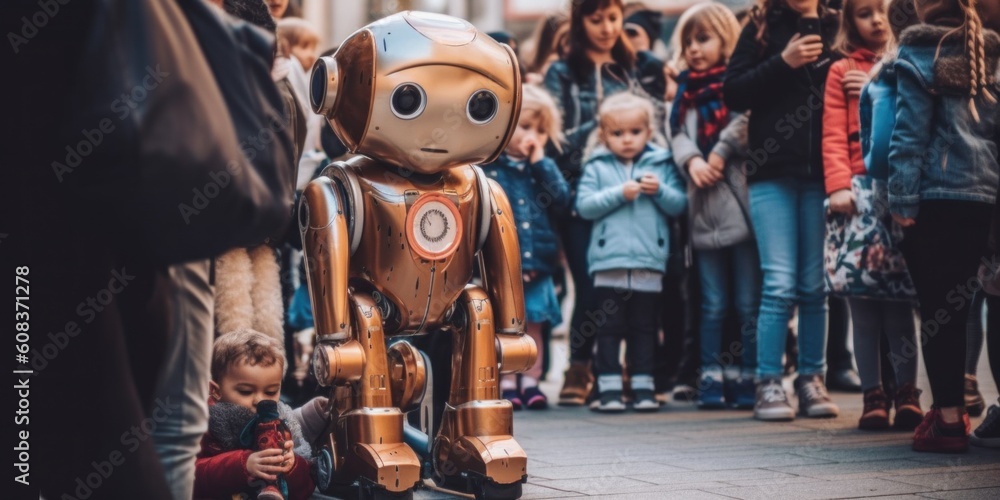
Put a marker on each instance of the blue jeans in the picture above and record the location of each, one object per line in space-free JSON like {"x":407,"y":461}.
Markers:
{"x":183,"y":385}
{"x":739,"y":267}
{"x":789,"y":224}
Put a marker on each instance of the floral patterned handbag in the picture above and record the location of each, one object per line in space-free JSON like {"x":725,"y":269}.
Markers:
{"x":862,"y":257}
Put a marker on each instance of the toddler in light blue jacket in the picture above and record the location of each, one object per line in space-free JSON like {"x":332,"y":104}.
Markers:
{"x":629,"y":187}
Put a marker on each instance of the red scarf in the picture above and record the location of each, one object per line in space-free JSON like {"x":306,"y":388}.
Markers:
{"x":702,"y":92}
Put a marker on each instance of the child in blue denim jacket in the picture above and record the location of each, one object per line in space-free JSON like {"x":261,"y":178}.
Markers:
{"x":943,"y":175}
{"x":535,"y":188}
{"x":628,"y":189}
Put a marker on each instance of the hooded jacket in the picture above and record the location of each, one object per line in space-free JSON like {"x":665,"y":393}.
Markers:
{"x":629,"y":235}
{"x":938,"y":151}
{"x":786,"y":104}
{"x":842,"y":158}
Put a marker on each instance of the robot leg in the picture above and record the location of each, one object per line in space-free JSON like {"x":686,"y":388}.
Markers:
{"x":364,"y":449}
{"x":475,"y":450}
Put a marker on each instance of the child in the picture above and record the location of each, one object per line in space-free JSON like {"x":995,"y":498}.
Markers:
{"x":943,"y":175}
{"x":296,"y":54}
{"x":717,"y":199}
{"x":629,"y":187}
{"x":779,"y":65}
{"x":880,"y":293}
{"x":534,"y":185}
{"x":247,"y":367}
{"x":599,"y":62}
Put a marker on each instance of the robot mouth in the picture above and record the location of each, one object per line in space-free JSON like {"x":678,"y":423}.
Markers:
{"x":432,"y":150}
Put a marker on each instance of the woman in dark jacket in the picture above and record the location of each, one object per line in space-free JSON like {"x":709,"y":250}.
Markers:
{"x":600,"y":62}
{"x":777,"y":72}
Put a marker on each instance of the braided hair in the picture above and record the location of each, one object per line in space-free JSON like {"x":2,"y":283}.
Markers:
{"x":975,"y":45}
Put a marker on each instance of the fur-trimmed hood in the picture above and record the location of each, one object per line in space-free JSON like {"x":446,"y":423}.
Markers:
{"x":950,"y":71}
{"x":227,"y":420}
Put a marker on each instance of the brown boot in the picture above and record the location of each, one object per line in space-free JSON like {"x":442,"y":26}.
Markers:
{"x":576,"y":385}
{"x":908,"y":412}
{"x":875,"y":416}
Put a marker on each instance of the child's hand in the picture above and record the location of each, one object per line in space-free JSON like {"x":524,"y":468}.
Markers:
{"x":903,"y":221}
{"x":534,"y":149}
{"x":802,"y":50}
{"x":842,"y":202}
{"x":854,"y":80}
{"x":267,"y":464}
{"x":703,"y":174}
{"x":717,"y":162}
{"x":649,"y":185}
{"x":631,"y":190}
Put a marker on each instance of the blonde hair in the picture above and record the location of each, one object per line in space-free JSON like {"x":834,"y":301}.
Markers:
{"x":975,"y":43}
{"x":615,"y":105}
{"x":293,"y":32}
{"x":539,"y":102}
{"x":245,"y":346}
{"x":707,"y":16}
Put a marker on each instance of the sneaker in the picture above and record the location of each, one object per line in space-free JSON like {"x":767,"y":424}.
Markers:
{"x":645,"y":400}
{"x":814,"y":402}
{"x":610,"y":398}
{"x":744,"y":389}
{"x":643,"y":393}
{"x":974,"y":403}
{"x":534,"y":399}
{"x":987,"y":434}
{"x":685,"y":393}
{"x":875,"y":416}
{"x":934,"y":435}
{"x":772,"y":402}
{"x":576,"y":385}
{"x":711,"y":390}
{"x":514,"y":398}
{"x":908,"y":411}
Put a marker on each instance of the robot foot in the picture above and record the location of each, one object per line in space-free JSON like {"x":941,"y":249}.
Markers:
{"x":481,"y":486}
{"x":365,"y":489}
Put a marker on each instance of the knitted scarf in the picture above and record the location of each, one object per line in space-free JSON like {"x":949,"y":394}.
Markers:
{"x":702,"y":92}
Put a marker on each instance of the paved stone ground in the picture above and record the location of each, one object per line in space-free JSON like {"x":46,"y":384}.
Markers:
{"x":681,"y":452}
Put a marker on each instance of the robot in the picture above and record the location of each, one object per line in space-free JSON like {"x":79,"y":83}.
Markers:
{"x":390,"y":239}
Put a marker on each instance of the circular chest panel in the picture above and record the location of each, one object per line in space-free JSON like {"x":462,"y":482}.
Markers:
{"x":433,"y":226}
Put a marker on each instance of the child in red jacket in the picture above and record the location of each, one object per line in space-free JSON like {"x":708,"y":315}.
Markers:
{"x":873,"y":275}
{"x":247,"y":368}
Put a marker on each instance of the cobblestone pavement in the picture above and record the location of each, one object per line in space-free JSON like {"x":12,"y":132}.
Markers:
{"x":682,"y":452}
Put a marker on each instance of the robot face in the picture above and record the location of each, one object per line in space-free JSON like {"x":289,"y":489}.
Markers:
{"x":428,"y":92}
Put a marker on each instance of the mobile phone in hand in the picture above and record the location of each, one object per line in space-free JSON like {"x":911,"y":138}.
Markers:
{"x":809,"y":26}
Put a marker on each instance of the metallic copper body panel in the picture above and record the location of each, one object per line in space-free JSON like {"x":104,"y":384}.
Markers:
{"x":325,"y":244}
{"x":501,"y":261}
{"x":395,"y":233}
{"x":418,"y":292}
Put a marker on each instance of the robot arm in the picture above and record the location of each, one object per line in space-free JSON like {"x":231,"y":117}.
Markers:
{"x":500,"y":264}
{"x":326,"y":246}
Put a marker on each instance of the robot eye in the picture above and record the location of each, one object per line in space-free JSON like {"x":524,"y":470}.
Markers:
{"x":482,"y":106}
{"x":408,"y":101}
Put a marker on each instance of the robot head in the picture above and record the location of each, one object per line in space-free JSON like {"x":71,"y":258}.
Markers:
{"x":420,"y":91}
